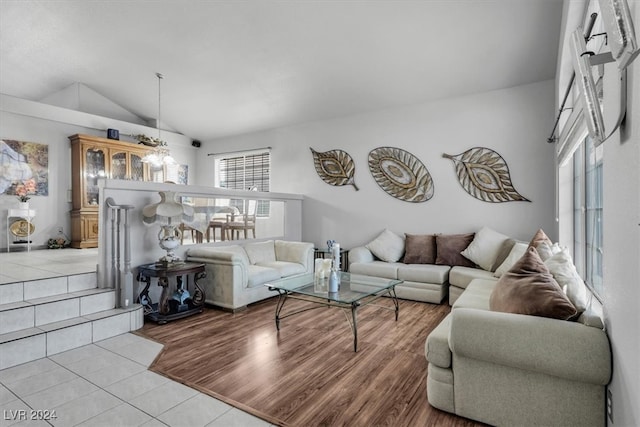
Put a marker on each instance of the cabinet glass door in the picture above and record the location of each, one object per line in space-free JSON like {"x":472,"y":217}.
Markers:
{"x":119,"y":165}
{"x":94,"y":169}
{"x":137,"y":168}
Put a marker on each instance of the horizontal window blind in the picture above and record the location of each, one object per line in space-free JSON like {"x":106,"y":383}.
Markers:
{"x":243,"y":172}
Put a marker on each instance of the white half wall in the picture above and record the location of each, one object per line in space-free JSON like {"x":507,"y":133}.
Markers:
{"x":515,"y":122}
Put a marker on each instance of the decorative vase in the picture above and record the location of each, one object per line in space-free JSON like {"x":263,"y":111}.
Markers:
{"x":23,"y":205}
{"x":169,"y":237}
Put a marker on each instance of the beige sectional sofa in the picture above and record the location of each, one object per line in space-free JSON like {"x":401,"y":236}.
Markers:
{"x":508,"y":369}
{"x":524,"y":343}
{"x":236,"y":274}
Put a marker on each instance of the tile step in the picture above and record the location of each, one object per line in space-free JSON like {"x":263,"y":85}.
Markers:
{"x":33,"y":343}
{"x":12,"y":292}
{"x":41,"y":311}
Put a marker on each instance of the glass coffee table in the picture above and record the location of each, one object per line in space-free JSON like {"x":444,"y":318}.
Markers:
{"x":355,"y":291}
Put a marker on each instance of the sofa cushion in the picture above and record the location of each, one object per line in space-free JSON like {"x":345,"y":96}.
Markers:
{"x":259,"y":275}
{"x":420,"y":249}
{"x":260,"y":252}
{"x":388,"y":270}
{"x":516,"y":253}
{"x":476,"y":295}
{"x":529,"y":288}
{"x":425,"y":273}
{"x":462,"y":276}
{"x":284,"y":268}
{"x":485,"y":247}
{"x":388,"y":246}
{"x":436,"y":347}
{"x":449,"y":247}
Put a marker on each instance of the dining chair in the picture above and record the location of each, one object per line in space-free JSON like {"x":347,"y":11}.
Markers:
{"x":245,"y":221}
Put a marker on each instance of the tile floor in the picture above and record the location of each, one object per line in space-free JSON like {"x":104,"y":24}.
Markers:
{"x":108,"y":384}
{"x":102,"y":384}
{"x":46,"y":263}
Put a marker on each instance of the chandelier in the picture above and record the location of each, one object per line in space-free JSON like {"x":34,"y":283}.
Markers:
{"x":159,"y":155}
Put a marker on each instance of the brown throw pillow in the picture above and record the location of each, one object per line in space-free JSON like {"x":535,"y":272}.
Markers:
{"x":540,"y":237}
{"x":419,"y":249}
{"x":449,"y":246}
{"x":529,"y":288}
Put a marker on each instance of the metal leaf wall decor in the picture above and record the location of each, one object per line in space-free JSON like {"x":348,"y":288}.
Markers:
{"x":335,"y":167}
{"x":484,"y":174}
{"x":401,"y":174}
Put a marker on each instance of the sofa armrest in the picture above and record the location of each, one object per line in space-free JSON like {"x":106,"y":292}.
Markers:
{"x":227,"y":274}
{"x":360,"y":254}
{"x":554,"y":347}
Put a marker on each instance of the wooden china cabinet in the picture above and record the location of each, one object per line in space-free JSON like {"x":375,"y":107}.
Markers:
{"x":92,"y":158}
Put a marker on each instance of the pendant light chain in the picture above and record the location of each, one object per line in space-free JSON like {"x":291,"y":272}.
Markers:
{"x":160,"y":77}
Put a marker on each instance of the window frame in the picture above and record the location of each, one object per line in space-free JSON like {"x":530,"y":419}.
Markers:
{"x":588,"y":213}
{"x":247,"y":180}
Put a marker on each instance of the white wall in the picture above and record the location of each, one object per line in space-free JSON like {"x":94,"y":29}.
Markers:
{"x":622,"y":256}
{"x":36,"y":122}
{"x":515,"y":122}
{"x":621,"y":227}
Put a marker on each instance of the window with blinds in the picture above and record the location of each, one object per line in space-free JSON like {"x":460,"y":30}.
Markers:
{"x":243,"y":172}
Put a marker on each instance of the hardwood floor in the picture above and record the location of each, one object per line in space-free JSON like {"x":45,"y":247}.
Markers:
{"x":308,"y":374}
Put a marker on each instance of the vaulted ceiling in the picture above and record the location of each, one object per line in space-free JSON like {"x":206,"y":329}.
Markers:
{"x":233,"y":67}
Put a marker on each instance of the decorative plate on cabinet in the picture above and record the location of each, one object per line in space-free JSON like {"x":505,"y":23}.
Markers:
{"x":22,"y":228}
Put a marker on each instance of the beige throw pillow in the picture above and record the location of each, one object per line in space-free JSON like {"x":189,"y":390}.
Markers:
{"x":529,"y":288}
{"x":516,"y":253}
{"x":485,"y":247}
{"x":388,"y":246}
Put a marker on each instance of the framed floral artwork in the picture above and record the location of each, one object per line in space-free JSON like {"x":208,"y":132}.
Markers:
{"x":24,"y":168}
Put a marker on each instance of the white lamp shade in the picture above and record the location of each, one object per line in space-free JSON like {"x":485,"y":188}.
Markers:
{"x":167,"y":210}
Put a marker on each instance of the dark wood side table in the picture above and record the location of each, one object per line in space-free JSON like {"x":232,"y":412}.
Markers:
{"x":324,"y":254}
{"x":172,"y":305}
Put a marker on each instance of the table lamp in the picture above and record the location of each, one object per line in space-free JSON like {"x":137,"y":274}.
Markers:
{"x":169,"y":213}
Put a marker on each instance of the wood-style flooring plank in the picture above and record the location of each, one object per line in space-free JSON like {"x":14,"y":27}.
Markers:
{"x":307,"y":374}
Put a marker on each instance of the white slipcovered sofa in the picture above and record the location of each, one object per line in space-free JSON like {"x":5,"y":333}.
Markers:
{"x":236,"y":274}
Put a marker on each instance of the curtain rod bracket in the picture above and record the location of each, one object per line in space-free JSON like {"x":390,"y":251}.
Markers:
{"x":587,"y":35}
